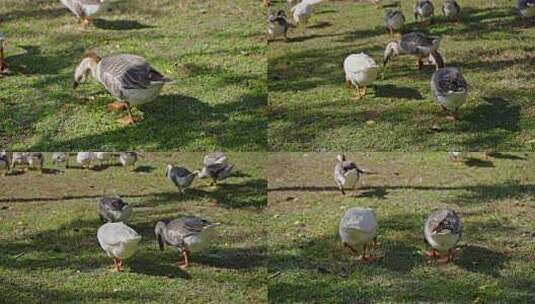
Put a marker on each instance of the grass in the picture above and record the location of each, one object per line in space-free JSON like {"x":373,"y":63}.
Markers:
{"x":311,"y":110}
{"x":50,"y":253}
{"x":495,"y":261}
{"x":215,"y":50}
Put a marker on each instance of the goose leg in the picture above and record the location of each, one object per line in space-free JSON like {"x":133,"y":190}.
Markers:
{"x":184,"y":264}
{"x":129,"y":119}
{"x":117,"y":106}
{"x":432,"y":254}
{"x":3,"y":64}
{"x":342,"y":190}
{"x":116,"y":265}
{"x":420,"y":64}
{"x":364,"y":91}
{"x":348,"y":84}
{"x":358,"y":96}
{"x":353,"y":250}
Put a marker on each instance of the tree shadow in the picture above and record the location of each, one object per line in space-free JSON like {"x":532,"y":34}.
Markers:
{"x":496,"y":107}
{"x":119,"y":25}
{"x":502,"y":155}
{"x":482,"y":260}
{"x":320,"y":25}
{"x":476,"y":162}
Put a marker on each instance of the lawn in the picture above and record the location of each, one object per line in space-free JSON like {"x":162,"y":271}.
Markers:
{"x":49,"y":251}
{"x":311,"y":110}
{"x":495,"y":260}
{"x":215,"y":50}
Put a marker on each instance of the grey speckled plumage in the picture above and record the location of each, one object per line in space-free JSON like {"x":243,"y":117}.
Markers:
{"x":394,"y":20}
{"x":449,"y":88}
{"x":5,"y":162}
{"x":114,"y":209}
{"x":60,"y":158}
{"x":451,"y":9}
{"x":180,"y":176}
{"x":187,"y":234}
{"x":128,"y":159}
{"x":216,"y":167}
{"x":346,"y":173}
{"x":419,"y":43}
{"x":215,"y":158}
{"x":424,"y":9}
{"x":526,"y":8}
{"x":442,"y":231}
{"x":278,"y":25}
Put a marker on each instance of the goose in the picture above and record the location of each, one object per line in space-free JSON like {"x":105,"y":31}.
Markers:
{"x":180,"y":176}
{"x":361,"y":71}
{"x":3,"y":63}
{"x":451,"y":9}
{"x":188,"y":234}
{"x":5,"y":162}
{"x":103,"y":157}
{"x":450,"y":90}
{"x":358,"y":227}
{"x":128,"y":78}
{"x":346,"y":173}
{"x":36,"y":161}
{"x":216,"y":171}
{"x":84,"y":159}
{"x":302,"y":11}
{"x":526,"y":8}
{"x":394,"y":20}
{"x":83,"y":9}
{"x":118,"y":241}
{"x":60,"y":158}
{"x":278,"y":25}
{"x":418,"y":45}
{"x":443,"y":229}
{"x":215,"y":158}
{"x":424,"y":9}
{"x":113,"y":209}
{"x":456,"y":157}
{"x":128,"y":159}
{"x":20,"y":158}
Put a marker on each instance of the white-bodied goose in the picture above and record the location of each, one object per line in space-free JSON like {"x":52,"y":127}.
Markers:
{"x":180,"y":176}
{"x":449,"y":89}
{"x":3,"y":63}
{"x":113,"y":209}
{"x":278,"y":25}
{"x":418,"y":45}
{"x":451,"y":9}
{"x":424,"y":9}
{"x":129,"y":78}
{"x":36,"y":161}
{"x":361,"y":71}
{"x":188,"y":234}
{"x":60,"y":158}
{"x":456,"y":157}
{"x":84,"y":159}
{"x":526,"y":8}
{"x":128,"y":160}
{"x":302,"y":12}
{"x":357,"y":229}
{"x":443,"y":229}
{"x":20,"y":158}
{"x":83,"y":9}
{"x":346,"y":173}
{"x":118,"y":241}
{"x":215,"y":158}
{"x":394,"y":20}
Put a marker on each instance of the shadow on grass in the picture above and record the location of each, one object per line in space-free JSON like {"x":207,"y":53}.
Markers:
{"x":392,"y":91}
{"x":144,"y":169}
{"x":482,"y":260}
{"x":160,"y":264}
{"x":476,"y":162}
{"x":119,"y":25}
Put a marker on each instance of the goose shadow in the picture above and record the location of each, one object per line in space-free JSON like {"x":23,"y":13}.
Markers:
{"x":119,"y":25}
{"x":482,"y":260}
{"x":144,"y":169}
{"x":392,"y":91}
{"x":502,"y":155}
{"x":232,"y":258}
{"x":476,"y":162}
{"x":158,"y":264}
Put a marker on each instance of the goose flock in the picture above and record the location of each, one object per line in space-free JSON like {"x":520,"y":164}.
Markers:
{"x":188,"y":234}
{"x":358,"y":226}
{"x":448,"y":86}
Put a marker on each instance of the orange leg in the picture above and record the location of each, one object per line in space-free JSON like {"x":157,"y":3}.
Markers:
{"x":116,"y":265}
{"x":184,"y":264}
{"x":117,"y":106}
{"x":353,"y":250}
{"x":432,"y":254}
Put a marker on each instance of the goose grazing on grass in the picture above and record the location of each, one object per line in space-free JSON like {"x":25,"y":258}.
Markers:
{"x":443,"y":229}
{"x":215,"y":158}
{"x":346,"y":173}
{"x":216,"y":171}
{"x":36,"y":161}
{"x":450,"y":90}
{"x":358,"y":227}
{"x":113,"y":209}
{"x":361,"y":71}
{"x":83,"y":9}
{"x":118,"y":241}
{"x":424,"y":9}
{"x":180,"y":176}
{"x":456,"y":157}
{"x":128,"y":160}
{"x":60,"y":158}
{"x":20,"y":158}
{"x":3,"y":63}
{"x":451,"y":9}
{"x":394,"y":20}
{"x":526,"y":8}
{"x":84,"y":159}
{"x":128,"y":78}
{"x":418,"y":45}
{"x":278,"y":25}
{"x":188,"y":234}
{"x":302,"y":12}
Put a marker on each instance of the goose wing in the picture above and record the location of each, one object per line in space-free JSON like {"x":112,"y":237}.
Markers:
{"x":449,"y":80}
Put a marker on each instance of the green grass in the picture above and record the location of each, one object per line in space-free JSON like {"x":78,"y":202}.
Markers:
{"x":49,"y":251}
{"x":495,"y":260}
{"x":215,"y":50}
{"x":311,"y":110}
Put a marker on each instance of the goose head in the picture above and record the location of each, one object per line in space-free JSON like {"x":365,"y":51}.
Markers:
{"x":392,"y":50}
{"x":86,"y":67}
